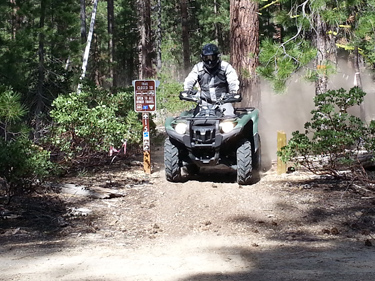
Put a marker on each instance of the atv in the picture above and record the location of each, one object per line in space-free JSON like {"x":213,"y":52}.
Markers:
{"x":205,"y":137}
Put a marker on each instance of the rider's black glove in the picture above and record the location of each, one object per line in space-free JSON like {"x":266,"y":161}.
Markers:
{"x":234,"y":96}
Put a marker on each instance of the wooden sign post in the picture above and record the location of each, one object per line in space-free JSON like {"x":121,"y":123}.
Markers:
{"x":146,"y":143}
{"x":145,"y":102}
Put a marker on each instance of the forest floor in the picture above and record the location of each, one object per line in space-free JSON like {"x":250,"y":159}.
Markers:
{"x":122,"y":224}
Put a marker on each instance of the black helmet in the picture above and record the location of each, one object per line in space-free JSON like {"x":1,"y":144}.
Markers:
{"x":210,"y":55}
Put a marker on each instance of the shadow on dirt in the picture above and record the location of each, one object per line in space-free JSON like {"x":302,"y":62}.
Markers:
{"x":332,"y":204}
{"x":47,"y":214}
{"x":219,"y":174}
{"x":294,"y":263}
{"x":38,"y":219}
{"x":331,"y":241}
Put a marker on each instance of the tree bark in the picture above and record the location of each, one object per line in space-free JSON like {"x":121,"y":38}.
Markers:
{"x":331,"y":46}
{"x":82,"y":16}
{"x":111,"y":45}
{"x":145,"y":45}
{"x":15,"y":18}
{"x":321,"y":83}
{"x":244,"y":40}
{"x":217,"y":31}
{"x":41,"y":72}
{"x":159,"y":37}
{"x":87,"y":49}
{"x":185,"y":35}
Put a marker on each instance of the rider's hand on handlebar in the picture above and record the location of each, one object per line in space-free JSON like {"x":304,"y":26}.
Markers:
{"x":233,"y":96}
{"x":189,"y":95}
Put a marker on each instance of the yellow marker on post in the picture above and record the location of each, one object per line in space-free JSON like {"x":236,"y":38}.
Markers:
{"x":281,"y":142}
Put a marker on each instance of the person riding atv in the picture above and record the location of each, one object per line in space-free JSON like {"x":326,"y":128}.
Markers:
{"x":213,"y":133}
{"x":214,"y":77}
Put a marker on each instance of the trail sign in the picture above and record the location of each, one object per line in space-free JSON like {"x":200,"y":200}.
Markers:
{"x":145,"y":102}
{"x":144,"y":95}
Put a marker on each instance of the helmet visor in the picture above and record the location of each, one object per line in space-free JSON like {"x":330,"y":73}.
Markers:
{"x":210,"y":58}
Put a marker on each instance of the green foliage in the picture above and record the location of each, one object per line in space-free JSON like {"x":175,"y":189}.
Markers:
{"x":208,"y":22}
{"x":278,"y":63}
{"x":292,"y":27}
{"x":332,"y":139}
{"x":92,"y":122}
{"x":11,"y":110}
{"x":20,"y":43}
{"x":168,"y":96}
{"x":11,"y":113}
{"x":362,"y":34}
{"x":23,"y":163}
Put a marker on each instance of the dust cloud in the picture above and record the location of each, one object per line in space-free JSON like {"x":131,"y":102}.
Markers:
{"x":289,"y":111}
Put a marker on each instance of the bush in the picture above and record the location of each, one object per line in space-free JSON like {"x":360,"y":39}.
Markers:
{"x":22,"y":163}
{"x":168,"y":96}
{"x":92,"y":122}
{"x":333,"y":140}
{"x":11,"y":113}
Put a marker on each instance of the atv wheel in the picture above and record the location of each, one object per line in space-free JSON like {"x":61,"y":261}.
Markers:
{"x":244,"y":163}
{"x":171,"y":162}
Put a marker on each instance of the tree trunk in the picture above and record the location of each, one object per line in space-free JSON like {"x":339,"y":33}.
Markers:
{"x":244,"y":40}
{"x":15,"y":18}
{"x":321,"y":59}
{"x":331,"y":47}
{"x":145,"y":45}
{"x":185,"y":35}
{"x":82,"y":16}
{"x":111,"y":45}
{"x":159,"y":37}
{"x":87,"y":49}
{"x":41,"y":72}
{"x":217,"y":32}
{"x":278,"y":34}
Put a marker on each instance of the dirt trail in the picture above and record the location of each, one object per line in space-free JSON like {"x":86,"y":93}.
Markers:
{"x":290,"y":227}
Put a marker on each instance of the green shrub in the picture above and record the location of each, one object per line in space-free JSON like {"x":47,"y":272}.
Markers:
{"x":11,"y":113}
{"x":333,"y":139}
{"x":168,"y":96}
{"x":23,"y":163}
{"x":92,"y":122}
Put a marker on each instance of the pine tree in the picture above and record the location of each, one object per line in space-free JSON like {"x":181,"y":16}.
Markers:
{"x":245,"y":49}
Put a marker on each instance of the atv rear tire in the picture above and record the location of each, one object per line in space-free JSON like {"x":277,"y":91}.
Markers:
{"x":171,"y":162}
{"x":244,"y":163}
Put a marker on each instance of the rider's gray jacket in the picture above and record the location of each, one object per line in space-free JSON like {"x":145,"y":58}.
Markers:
{"x":214,"y":83}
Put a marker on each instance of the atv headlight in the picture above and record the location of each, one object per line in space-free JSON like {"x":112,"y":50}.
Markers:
{"x":181,"y":128}
{"x":227,"y":126}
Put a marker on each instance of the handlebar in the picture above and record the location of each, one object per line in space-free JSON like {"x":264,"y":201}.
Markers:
{"x":229,"y":98}
{"x":191,"y":95}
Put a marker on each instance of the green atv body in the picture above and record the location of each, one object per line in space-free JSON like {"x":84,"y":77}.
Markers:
{"x":205,"y":137}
